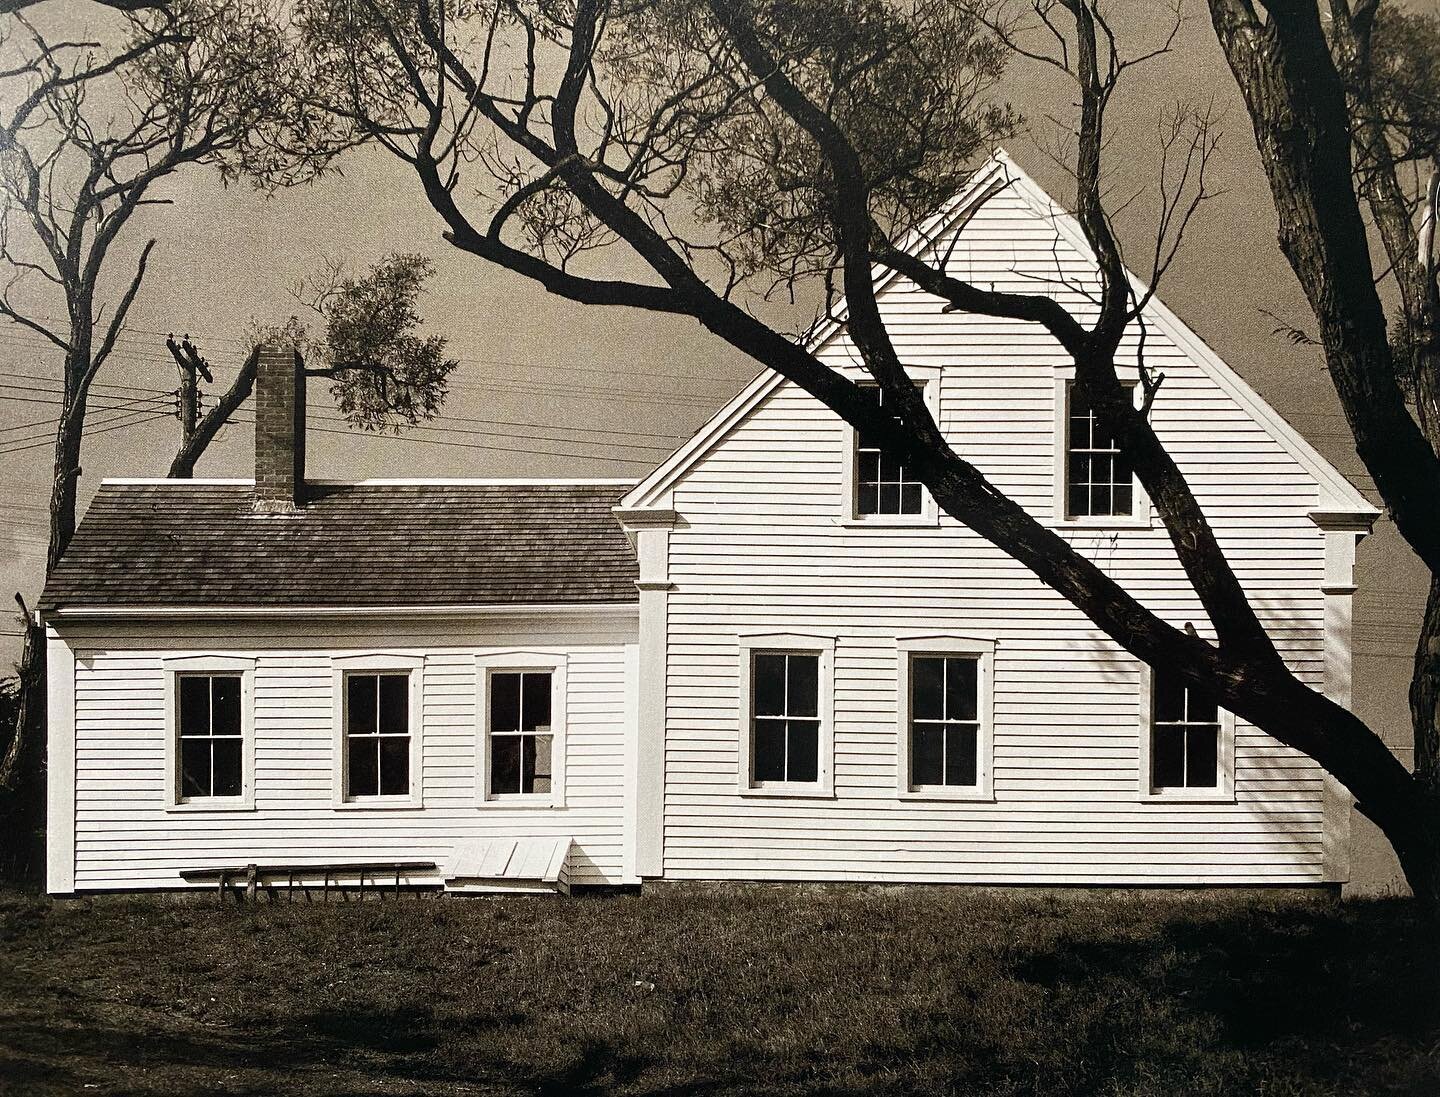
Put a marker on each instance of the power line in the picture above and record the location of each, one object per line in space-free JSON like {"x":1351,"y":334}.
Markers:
{"x":145,"y":417}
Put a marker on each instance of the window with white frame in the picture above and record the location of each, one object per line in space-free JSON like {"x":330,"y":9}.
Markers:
{"x":944,"y":721}
{"x":521,"y":732}
{"x":945,"y":717}
{"x":210,"y":731}
{"x":785,"y":717}
{"x":377,"y":734}
{"x":883,"y":486}
{"x":1185,"y":736}
{"x":1099,"y":482}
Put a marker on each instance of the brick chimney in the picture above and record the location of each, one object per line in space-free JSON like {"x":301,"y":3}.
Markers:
{"x":279,"y":431}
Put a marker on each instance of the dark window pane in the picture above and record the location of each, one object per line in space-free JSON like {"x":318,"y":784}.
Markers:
{"x":227,"y":767}
{"x":1078,"y":501}
{"x":1168,"y":758}
{"x":869,"y":466}
{"x":1101,"y":499}
{"x":394,"y":765}
{"x":194,"y":767}
{"x":194,"y":704}
{"x":927,"y":688}
{"x":867,"y":500}
{"x":910,"y":500}
{"x":962,"y":688}
{"x":504,"y":764}
{"x":769,"y":753}
{"x":804,"y":751}
{"x":527,"y":763}
{"x":362,"y":769}
{"x":535,"y":703}
{"x":361,"y":704}
{"x":504,"y":702}
{"x":768,"y":682}
{"x":1079,"y":423}
{"x":1169,"y":697}
{"x":225,"y":705}
{"x":927,"y":744}
{"x":889,"y":499}
{"x":891,"y":468}
{"x":1201,"y":770}
{"x":960,"y":751}
{"x":1200,"y":707}
{"x":543,"y":745}
{"x":394,"y":702}
{"x":1124,"y":498}
{"x":804,"y":696}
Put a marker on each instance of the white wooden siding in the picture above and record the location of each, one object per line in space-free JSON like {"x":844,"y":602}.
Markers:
{"x":759,"y":547}
{"x":125,"y":838}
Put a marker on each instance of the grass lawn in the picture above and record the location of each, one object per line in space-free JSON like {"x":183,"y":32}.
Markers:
{"x":754,"y":990}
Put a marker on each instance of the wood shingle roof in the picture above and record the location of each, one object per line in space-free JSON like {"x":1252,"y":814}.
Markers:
{"x":192,"y":544}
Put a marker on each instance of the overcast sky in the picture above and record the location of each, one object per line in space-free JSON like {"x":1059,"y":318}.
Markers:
{"x":546,"y":388}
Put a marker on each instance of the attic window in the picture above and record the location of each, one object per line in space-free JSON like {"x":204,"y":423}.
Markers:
{"x":882,"y":483}
{"x":1098,"y":479}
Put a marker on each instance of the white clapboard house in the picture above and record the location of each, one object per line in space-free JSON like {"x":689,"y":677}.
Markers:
{"x":771,"y":659}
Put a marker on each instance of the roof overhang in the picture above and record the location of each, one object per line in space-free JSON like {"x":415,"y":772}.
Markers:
{"x":594,"y":610}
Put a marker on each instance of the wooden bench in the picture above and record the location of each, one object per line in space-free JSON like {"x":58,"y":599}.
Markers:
{"x":253,"y":874}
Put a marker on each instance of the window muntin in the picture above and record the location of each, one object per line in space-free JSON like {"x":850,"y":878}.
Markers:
{"x":1098,"y":479}
{"x":377,"y":734}
{"x":785,"y":718}
{"x":883,"y":486}
{"x":1185,"y":737}
{"x":211,"y":735}
{"x":944,"y":721}
{"x":521,"y":729}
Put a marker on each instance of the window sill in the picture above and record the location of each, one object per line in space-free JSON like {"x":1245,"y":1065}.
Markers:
{"x":1188,"y":796}
{"x":956,"y":795}
{"x":1090,"y":524}
{"x":378,"y":803}
{"x":519,"y":802}
{"x":205,"y":807}
{"x":893,"y":521}
{"x":795,"y":792}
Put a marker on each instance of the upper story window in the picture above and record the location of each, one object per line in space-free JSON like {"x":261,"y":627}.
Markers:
{"x":1098,"y":480}
{"x":521,"y":733}
{"x":879,"y":489}
{"x":882,"y":484}
{"x":211,"y":737}
{"x":1188,"y":741}
{"x":377,"y":734}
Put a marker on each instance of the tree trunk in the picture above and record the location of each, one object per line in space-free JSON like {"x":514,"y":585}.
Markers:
{"x":22,"y":797}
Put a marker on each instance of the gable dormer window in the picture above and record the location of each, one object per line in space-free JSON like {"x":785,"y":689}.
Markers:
{"x":879,"y":489}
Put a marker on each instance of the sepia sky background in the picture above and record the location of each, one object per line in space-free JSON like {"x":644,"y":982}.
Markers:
{"x":546,"y":388}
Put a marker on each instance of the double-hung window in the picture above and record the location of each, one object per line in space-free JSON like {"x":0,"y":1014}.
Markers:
{"x":521,"y":723}
{"x":377,"y":734}
{"x":210,"y":742}
{"x":377,"y":731}
{"x":1098,"y":480}
{"x":786,"y":715}
{"x":879,"y":488}
{"x":945,"y":717}
{"x":1189,"y":741}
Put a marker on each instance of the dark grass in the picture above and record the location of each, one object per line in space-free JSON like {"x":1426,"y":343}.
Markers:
{"x":708,"y":991}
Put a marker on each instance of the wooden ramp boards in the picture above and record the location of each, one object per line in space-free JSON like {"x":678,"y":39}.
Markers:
{"x":524,"y":865}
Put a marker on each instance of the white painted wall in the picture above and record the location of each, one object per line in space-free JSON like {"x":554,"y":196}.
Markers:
{"x":759,"y":546}
{"x":125,"y":838}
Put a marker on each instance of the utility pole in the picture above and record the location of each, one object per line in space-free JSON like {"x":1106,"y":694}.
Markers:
{"x":192,"y":369}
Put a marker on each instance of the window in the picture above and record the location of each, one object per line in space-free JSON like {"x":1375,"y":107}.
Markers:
{"x":521,"y":733}
{"x":211,"y":737}
{"x":377,"y":734}
{"x":520,"y":724}
{"x":1098,"y":480}
{"x":786,"y":708}
{"x":210,"y":733}
{"x":1187,"y":741}
{"x":882,"y":486}
{"x":1185,"y":752}
{"x":786,"y":720}
{"x":946,"y":702}
{"x":944,"y":720}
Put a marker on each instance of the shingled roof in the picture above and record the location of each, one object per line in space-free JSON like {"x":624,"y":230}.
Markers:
{"x":192,"y":543}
